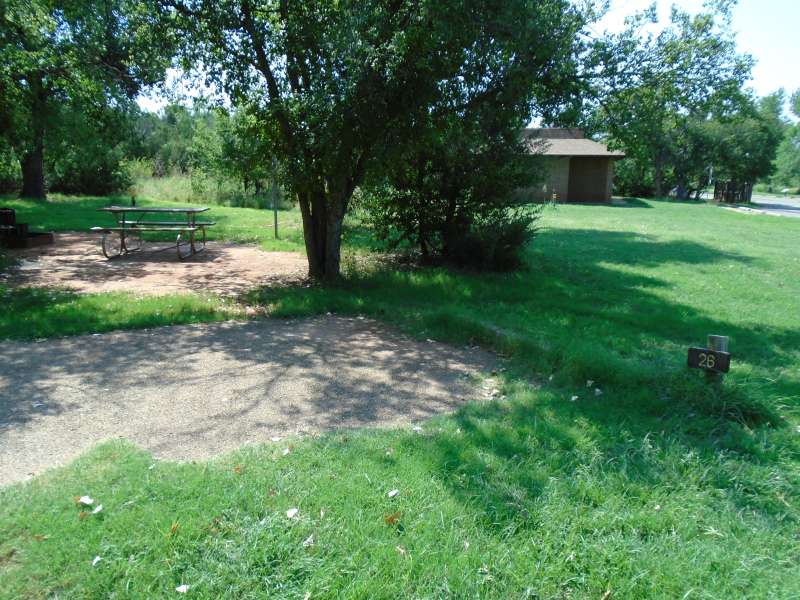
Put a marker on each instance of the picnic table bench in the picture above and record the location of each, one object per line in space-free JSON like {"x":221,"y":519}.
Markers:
{"x":127,"y":235}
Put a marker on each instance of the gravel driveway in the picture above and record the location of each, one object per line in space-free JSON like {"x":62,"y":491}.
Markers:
{"x":191,"y":392}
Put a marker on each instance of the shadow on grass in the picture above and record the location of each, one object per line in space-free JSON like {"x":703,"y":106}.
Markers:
{"x":592,"y":452}
{"x":669,"y":200}
{"x":573,"y":316}
{"x":629,"y":202}
{"x":589,"y":246}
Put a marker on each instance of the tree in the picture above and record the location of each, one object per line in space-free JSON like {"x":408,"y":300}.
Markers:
{"x":787,"y":161}
{"x":86,"y":147}
{"x":331,"y":82}
{"x":734,"y":144}
{"x":241,"y":152}
{"x":453,"y":188}
{"x":651,"y":91}
{"x":455,"y":194}
{"x":61,"y":54}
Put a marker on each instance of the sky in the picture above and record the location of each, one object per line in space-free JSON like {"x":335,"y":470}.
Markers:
{"x":765,"y":29}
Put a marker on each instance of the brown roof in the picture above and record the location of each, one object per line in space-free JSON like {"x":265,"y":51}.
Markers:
{"x":555,"y":141}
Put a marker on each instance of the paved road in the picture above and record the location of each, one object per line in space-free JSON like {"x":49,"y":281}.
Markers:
{"x":787,"y":207}
{"x":190,"y":392}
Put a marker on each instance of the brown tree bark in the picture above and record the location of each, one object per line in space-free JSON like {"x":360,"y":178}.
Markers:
{"x":31,"y":154}
{"x":32,"y":164}
{"x":658,"y":177}
{"x":323,"y":218}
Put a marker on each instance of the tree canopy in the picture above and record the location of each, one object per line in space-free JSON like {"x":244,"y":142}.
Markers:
{"x":331,"y":83}
{"x":62,"y":57}
{"x":787,"y":160}
{"x":675,"y":102}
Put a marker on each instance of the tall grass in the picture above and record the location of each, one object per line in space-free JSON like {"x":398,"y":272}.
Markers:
{"x":202,"y":188}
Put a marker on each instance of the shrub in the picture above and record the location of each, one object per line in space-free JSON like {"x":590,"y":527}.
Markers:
{"x":496,"y":241}
{"x":457,"y":194}
{"x":632,"y":178}
{"x":10,"y":175}
{"x":80,"y":170}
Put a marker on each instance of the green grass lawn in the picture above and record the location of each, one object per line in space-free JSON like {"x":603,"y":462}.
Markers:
{"x":35,"y":314}
{"x":79,"y":213}
{"x":658,"y":486}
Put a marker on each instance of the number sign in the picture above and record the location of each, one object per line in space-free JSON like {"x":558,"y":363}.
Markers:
{"x":710,"y":360}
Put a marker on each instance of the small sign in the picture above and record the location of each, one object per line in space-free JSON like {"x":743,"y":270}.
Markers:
{"x":709,"y":360}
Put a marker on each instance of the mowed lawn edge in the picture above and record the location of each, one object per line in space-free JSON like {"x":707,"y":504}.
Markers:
{"x":38,"y":313}
{"x":657,"y":486}
{"x":79,"y":213}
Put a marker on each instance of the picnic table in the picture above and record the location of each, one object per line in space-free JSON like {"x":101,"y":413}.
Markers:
{"x":131,"y":224}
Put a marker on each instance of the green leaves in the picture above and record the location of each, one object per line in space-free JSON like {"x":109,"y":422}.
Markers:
{"x":68,"y":61}
{"x":336,"y":87}
{"x":652,"y":91}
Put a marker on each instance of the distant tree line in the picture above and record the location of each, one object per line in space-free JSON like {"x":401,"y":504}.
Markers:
{"x":675,"y":102}
{"x":787,"y":160}
{"x":212,"y":146}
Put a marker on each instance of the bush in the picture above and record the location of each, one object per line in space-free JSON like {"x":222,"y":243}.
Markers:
{"x":632,"y":178}
{"x":458,"y":195}
{"x":77,"y":170}
{"x":496,"y":241}
{"x":10,"y":175}
{"x":138,"y":168}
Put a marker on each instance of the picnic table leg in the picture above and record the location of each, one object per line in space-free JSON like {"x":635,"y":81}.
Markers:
{"x":202,"y":241}
{"x":111,"y":245}
{"x":193,"y":220}
{"x":123,"y":245}
{"x":133,"y":240}
{"x":178,"y":246}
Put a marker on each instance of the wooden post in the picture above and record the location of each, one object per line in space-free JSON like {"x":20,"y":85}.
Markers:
{"x":720,"y":344}
{"x":275,"y":196}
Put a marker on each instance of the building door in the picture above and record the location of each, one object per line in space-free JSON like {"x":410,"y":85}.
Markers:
{"x":588,"y":179}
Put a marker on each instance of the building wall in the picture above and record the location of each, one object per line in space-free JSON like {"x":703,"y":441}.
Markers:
{"x":556,"y":180}
{"x":575,"y":179}
{"x":589,"y":180}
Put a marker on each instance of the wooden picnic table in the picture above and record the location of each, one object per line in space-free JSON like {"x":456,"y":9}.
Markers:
{"x":131,"y":223}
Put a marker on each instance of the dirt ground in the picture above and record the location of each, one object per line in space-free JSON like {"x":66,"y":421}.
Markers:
{"x":76,"y":262}
{"x":191,"y":392}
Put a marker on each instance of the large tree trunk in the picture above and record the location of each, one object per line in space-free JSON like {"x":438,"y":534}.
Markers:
{"x":32,"y":164}
{"x":658,"y":176}
{"x":323,"y":216}
{"x":31,"y":155}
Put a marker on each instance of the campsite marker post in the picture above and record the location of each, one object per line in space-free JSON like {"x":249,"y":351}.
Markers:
{"x":714,"y":360}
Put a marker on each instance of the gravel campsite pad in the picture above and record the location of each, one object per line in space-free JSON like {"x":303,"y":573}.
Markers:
{"x":191,"y":392}
{"x":75,"y":261}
